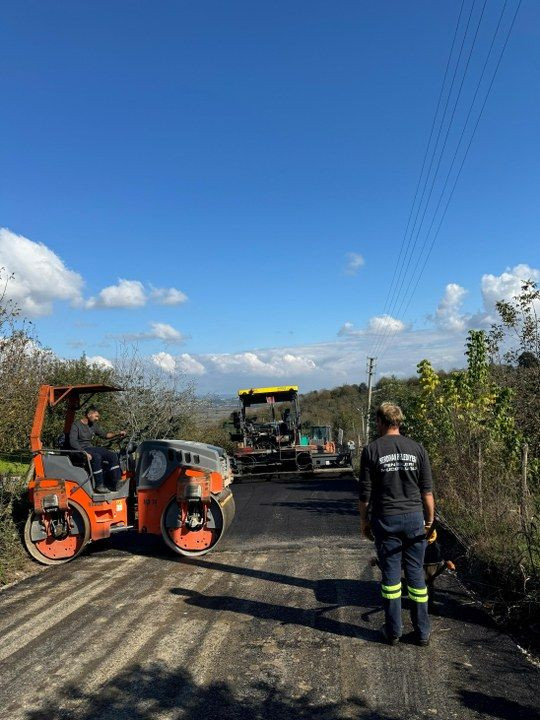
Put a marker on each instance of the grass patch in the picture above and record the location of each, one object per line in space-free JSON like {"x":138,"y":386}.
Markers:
{"x":12,"y":517}
{"x":501,"y":563}
{"x":9,"y":468}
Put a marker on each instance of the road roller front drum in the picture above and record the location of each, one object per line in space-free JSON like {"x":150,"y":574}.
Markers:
{"x":191,"y":543}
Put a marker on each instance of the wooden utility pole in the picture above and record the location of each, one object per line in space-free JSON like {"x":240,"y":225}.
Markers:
{"x":480,"y":483}
{"x":370,"y":373}
{"x":524,"y":490}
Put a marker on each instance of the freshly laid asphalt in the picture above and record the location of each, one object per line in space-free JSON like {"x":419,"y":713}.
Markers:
{"x":280,"y":621}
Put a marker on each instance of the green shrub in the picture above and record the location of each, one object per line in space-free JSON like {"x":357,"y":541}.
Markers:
{"x":12,"y":501}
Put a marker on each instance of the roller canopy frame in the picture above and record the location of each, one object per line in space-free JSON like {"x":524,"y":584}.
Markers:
{"x":50,"y":396}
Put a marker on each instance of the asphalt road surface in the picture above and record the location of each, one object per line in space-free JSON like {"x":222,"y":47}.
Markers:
{"x":279,"y":622}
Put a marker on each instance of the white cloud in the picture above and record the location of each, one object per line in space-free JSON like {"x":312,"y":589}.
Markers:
{"x":183,"y":363}
{"x":273,"y":364}
{"x":100,"y":362}
{"x":294,"y":363}
{"x":448,"y":315}
{"x":354,"y":263}
{"x":377,"y":324}
{"x":349,"y":330}
{"x":158,"y":331}
{"x":133,"y":294}
{"x":165,"y":332}
{"x":239,"y":362}
{"x":40,"y":275}
{"x":168,"y":296}
{"x":342,"y":360}
{"x":165,"y":361}
{"x":385,"y":323}
{"x":126,"y":294}
{"x":506,"y":285}
{"x":188,"y":364}
{"x":330,"y":363}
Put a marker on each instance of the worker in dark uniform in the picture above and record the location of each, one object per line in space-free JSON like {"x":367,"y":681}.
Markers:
{"x":397,"y":509}
{"x":81,"y":435}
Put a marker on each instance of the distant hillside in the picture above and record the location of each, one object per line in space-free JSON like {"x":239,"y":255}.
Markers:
{"x":340,"y":407}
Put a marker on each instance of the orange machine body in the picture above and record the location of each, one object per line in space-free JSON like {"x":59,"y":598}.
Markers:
{"x":103,"y":515}
{"x":175,"y":488}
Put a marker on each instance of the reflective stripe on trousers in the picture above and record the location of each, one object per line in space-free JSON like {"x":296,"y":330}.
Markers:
{"x":419,"y":595}
{"x":401,"y":541}
{"x":391,"y":592}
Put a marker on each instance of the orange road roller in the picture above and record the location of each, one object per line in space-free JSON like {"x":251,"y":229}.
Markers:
{"x":173,"y":488}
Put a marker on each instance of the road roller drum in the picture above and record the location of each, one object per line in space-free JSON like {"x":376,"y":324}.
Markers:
{"x":183,"y":494}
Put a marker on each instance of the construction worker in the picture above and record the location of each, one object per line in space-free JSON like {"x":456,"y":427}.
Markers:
{"x":80,"y":438}
{"x":397,"y":510}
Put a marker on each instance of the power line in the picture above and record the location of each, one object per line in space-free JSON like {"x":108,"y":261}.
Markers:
{"x":425,"y":155}
{"x":445,"y":184}
{"x":449,"y":198}
{"x":433,"y":154}
{"x":441,"y":154}
{"x":406,"y":266}
{"x":393,"y":333}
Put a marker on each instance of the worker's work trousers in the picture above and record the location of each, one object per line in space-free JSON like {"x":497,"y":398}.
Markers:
{"x":105,"y":466}
{"x":401,"y":542}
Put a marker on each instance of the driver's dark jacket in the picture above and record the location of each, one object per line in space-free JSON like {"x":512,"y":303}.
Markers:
{"x":81,"y":434}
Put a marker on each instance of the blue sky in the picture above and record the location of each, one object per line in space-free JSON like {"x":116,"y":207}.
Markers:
{"x":241,"y":154}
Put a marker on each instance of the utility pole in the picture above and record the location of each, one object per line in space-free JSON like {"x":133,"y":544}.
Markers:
{"x":524,"y":493}
{"x":370,"y":373}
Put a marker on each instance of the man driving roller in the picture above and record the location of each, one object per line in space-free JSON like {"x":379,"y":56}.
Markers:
{"x":81,"y":435}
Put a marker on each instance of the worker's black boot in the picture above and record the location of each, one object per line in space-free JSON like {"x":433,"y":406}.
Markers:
{"x":388,"y":638}
{"x":422,"y":640}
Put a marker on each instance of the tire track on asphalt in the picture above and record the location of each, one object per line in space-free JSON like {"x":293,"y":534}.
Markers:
{"x":68,"y":618}
{"x":277,"y":623}
{"x":50,"y":578}
{"x":42,"y":666}
{"x":404,"y":678}
{"x":88,"y":674}
{"x":42,"y":602}
{"x":166,"y":646}
{"x":280,"y":642}
{"x":32,"y":628}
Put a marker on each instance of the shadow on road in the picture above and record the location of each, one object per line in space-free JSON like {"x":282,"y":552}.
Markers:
{"x":362,"y":593}
{"x":148,"y":692}
{"x":498,"y":707}
{"x":283,"y":614}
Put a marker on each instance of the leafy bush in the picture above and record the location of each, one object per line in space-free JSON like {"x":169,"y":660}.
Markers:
{"x":12,"y":517}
